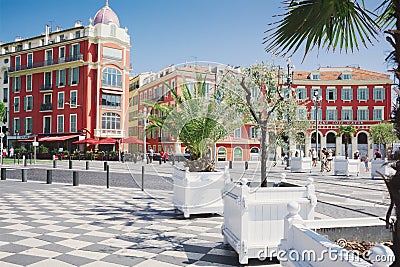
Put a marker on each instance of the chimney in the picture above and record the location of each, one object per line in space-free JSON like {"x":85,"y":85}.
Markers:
{"x":58,"y":28}
{"x":46,"y":39}
{"x":18,"y":38}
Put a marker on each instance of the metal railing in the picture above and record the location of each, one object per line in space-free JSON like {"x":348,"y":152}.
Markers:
{"x":46,"y":87}
{"x":56,"y":61}
{"x":46,"y":107}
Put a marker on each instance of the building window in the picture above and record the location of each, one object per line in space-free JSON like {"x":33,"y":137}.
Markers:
{"x":47,"y":124}
{"x":60,"y":123}
{"x":28,"y":103}
{"x":28,"y":125}
{"x":5,"y":95}
{"x":28,"y":83}
{"x":347,"y":115}
{"x":16,"y":104}
{"x":315,"y":76}
{"x":301,"y":93}
{"x":47,"y":80}
{"x":362,"y":93}
{"x":112,"y":78}
{"x":347,"y":94}
{"x":72,"y":123}
{"x":74,"y":76}
{"x":61,"y":77}
{"x":110,"y":101}
{"x":17,"y":62}
{"x":77,"y":34}
{"x":17,"y":84}
{"x":73,"y":98}
{"x":331,"y":94}
{"x":237,"y":133}
{"x":49,"y":57}
{"x":301,"y":113}
{"x":60,"y":100}
{"x":331,"y":114}
{"x":16,"y":126}
{"x":377,"y":114}
{"x":113,"y":30}
{"x":110,"y":120}
{"x":5,"y":81}
{"x":362,"y":114}
{"x":30,"y":61}
{"x":61,"y":54}
{"x":379,"y":93}
{"x":253,"y":133}
{"x":312,"y":113}
{"x":345,"y":76}
{"x":74,"y":52}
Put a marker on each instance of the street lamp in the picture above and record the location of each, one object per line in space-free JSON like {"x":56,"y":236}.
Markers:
{"x":144,"y":131}
{"x":289,"y":82}
{"x":1,"y":155}
{"x":316,"y":98}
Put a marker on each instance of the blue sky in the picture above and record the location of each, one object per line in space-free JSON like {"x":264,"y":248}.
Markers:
{"x":177,"y":31}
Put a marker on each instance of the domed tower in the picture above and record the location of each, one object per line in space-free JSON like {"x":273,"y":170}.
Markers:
{"x":111,"y":49}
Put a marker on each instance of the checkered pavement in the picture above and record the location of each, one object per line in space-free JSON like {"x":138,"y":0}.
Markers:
{"x":61,"y":225}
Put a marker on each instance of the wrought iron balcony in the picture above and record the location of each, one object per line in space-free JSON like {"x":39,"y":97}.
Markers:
{"x":113,"y":133}
{"x":56,"y":61}
{"x":46,"y":87}
{"x":46,"y":107}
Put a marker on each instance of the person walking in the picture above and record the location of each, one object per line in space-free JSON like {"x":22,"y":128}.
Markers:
{"x":314,"y":157}
{"x":323,"y":160}
{"x":366,"y":163}
{"x":151,"y":154}
{"x":329,"y":158}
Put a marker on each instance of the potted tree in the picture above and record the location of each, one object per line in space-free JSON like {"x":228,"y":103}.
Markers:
{"x":344,"y":165}
{"x":382,"y":133}
{"x":253,"y":211}
{"x":198,"y":120}
{"x":301,"y":163}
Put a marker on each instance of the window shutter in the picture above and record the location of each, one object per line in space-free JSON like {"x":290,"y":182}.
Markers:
{"x":78,"y":50}
{"x":367,"y":94}
{"x":25,"y":102}
{"x":383,"y":94}
{"x":351,"y":94}
{"x":70,"y":52}
{"x":57,"y":77}
{"x":359,"y":94}
{"x":342,"y":95}
{"x":69,"y":76}
{"x":77,"y":75}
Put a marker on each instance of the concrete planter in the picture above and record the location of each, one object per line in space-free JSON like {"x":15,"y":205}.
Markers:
{"x":377,"y":165}
{"x":254,"y":217}
{"x":346,"y":166}
{"x":199,"y":192}
{"x":300,"y":164}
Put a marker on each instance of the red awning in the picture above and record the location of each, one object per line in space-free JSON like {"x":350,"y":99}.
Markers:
{"x":57,"y":138}
{"x":32,"y":139}
{"x":132,"y":140}
{"x":89,"y":141}
{"x":107,"y":141}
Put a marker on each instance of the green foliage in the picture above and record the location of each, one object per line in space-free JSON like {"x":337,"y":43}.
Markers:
{"x":346,"y":131}
{"x":43,"y":149}
{"x":2,"y":111}
{"x":383,"y":133}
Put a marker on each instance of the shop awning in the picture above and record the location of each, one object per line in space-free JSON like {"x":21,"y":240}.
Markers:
{"x":107,"y":141}
{"x":132,"y":140}
{"x":89,"y":141}
{"x":32,"y":139}
{"x":56,"y":138}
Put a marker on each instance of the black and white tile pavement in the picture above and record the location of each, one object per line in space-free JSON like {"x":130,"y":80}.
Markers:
{"x":61,"y":225}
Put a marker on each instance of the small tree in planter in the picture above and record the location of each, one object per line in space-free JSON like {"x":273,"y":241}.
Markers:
{"x":383,"y":133}
{"x":346,"y":131}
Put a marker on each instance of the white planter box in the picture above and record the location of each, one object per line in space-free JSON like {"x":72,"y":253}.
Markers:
{"x":300,"y":164}
{"x":346,"y":166}
{"x":376,"y":165}
{"x":254,"y":217}
{"x":199,"y":192}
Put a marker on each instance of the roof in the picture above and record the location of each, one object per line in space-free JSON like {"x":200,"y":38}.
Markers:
{"x":331,"y":74}
{"x":106,"y":15}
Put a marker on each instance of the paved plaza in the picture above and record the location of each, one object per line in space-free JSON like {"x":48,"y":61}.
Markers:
{"x":90,"y":225}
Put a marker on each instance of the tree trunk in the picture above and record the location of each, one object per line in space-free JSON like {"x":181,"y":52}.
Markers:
{"x":263,"y":155}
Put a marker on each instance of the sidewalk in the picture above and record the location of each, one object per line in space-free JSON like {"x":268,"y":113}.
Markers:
{"x":62,"y":225}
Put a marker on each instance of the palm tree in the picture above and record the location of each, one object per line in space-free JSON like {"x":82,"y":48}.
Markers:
{"x":199,"y":120}
{"x":346,"y":131}
{"x":343,"y":25}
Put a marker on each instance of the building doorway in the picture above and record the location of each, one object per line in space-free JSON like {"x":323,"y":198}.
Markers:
{"x":331,"y":142}
{"x":221,"y":153}
{"x":237,"y":154}
{"x":254,"y":154}
{"x":362,"y":144}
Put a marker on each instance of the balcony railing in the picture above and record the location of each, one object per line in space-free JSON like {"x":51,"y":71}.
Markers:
{"x":113,"y":133}
{"x":111,"y":107}
{"x":46,"y":87}
{"x":47,"y":63}
{"x":46,"y":107}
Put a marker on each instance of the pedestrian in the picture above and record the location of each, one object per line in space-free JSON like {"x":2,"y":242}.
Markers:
{"x":11,"y":152}
{"x":366,"y":163}
{"x":4,"y":152}
{"x":314,"y":157}
{"x":329,"y":158}
{"x":323,"y":159}
{"x":151,"y":154}
{"x":356,"y":155}
{"x":378,"y":154}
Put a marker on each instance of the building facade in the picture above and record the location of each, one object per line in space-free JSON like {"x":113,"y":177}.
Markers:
{"x":66,"y":83}
{"x":348,"y":96}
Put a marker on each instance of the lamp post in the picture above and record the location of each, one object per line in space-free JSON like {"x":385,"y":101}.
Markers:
{"x":316,"y":99}
{"x":1,"y":137}
{"x":16,"y":146}
{"x":144,"y":132}
{"x":289,"y":82}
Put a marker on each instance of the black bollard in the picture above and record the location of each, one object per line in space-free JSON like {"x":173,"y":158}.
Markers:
{"x":142,"y":177}
{"x":54,"y":163}
{"x":246,"y":165}
{"x":3,"y":173}
{"x":87,"y":165}
{"x":230,"y":164}
{"x":70,"y":164}
{"x":14,"y":159}
{"x":24,"y":175}
{"x":30,"y":159}
{"x":25,"y":161}
{"x":105,"y":165}
{"x":75,"y":178}
{"x":49,"y":179}
{"x":108,"y":176}
{"x":160,"y":160}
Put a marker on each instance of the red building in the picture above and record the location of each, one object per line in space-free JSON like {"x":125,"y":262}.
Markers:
{"x":68,"y":84}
